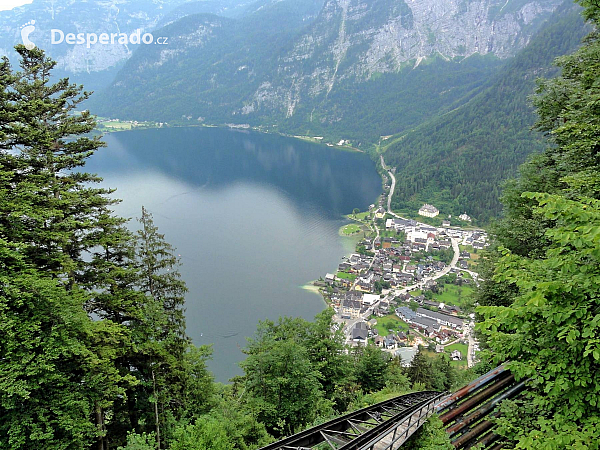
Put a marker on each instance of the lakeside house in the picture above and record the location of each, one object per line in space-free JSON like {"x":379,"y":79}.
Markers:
{"x":380,"y":213}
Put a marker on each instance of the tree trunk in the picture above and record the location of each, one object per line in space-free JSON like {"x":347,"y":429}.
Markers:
{"x":100,"y":426}
{"x":156,"y":409}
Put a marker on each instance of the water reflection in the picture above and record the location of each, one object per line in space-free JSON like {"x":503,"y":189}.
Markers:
{"x":254,"y":217}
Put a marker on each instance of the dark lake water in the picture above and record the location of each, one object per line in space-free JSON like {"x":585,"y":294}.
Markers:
{"x":254,"y":217}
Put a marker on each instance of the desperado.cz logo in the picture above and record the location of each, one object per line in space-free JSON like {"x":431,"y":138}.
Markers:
{"x":89,"y":39}
{"x":26,"y":30}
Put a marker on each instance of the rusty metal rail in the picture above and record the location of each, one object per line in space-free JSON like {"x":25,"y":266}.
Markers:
{"x":468,"y":413}
{"x":383,"y":426}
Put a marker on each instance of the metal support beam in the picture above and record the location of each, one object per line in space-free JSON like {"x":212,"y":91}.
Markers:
{"x":352,"y":429}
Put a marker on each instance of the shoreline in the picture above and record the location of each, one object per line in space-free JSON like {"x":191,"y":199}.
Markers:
{"x":310,"y":287}
{"x":308,"y":139}
{"x":349,"y":242}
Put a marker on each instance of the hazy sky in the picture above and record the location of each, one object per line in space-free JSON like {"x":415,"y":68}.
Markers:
{"x":10,"y":4}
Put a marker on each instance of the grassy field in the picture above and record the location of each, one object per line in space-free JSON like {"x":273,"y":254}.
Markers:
{"x":346,"y":276}
{"x":463,"y":348}
{"x":455,"y":295}
{"x":475,"y":256}
{"x":350,"y":229}
{"x":462,"y":364}
{"x":359,"y":216}
{"x":117,"y":125}
{"x":390,"y":322}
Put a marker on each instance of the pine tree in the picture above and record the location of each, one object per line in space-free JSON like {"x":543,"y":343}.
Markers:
{"x":52,"y":215}
{"x":419,"y":371}
{"x":172,"y":372}
{"x":161,"y":279}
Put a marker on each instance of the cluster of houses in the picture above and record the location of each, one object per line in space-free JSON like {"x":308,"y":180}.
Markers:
{"x":362,"y":331}
{"x":396,"y":267}
{"x":352,"y":304}
{"x":396,"y":264}
{"x":477,"y":239}
{"x":431,"y":211}
{"x":411,"y":255}
{"x":399,"y":342}
{"x":436,"y":325}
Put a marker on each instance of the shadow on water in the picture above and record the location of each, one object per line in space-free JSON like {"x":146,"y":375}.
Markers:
{"x":213,"y":158}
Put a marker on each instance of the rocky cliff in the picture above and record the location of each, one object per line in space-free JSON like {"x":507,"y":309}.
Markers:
{"x":97,"y":16}
{"x":357,"y":39}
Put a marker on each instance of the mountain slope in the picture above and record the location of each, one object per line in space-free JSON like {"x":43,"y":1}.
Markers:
{"x":97,"y":66}
{"x":324,"y":75}
{"x":209,"y":64}
{"x":458,"y":161}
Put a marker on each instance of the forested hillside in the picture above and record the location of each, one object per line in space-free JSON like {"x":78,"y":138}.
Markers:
{"x":459,"y":160}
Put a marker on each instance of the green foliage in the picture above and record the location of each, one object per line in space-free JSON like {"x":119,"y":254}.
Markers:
{"x":243,"y":428}
{"x":395,"y":377}
{"x":207,"y":433}
{"x":281,"y":383}
{"x":551,"y":331}
{"x":140,"y":442}
{"x":54,"y":361}
{"x":542,"y":298}
{"x":51,"y":222}
{"x":433,"y":373}
{"x":370,"y":366}
{"x":94,"y":342}
{"x":431,"y":436}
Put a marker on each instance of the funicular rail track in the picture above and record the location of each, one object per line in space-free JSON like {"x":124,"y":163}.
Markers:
{"x":382,"y":426}
{"x":467,"y":415}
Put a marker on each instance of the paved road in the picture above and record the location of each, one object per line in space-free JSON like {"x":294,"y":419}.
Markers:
{"x":392,"y":186}
{"x":471,"y":349}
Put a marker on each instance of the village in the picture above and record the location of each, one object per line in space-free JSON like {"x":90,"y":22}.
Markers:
{"x":408,"y":285}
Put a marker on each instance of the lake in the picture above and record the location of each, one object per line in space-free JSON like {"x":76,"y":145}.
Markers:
{"x":254,"y":217}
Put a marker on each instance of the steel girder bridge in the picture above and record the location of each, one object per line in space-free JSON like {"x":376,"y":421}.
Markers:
{"x":382,"y":426}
